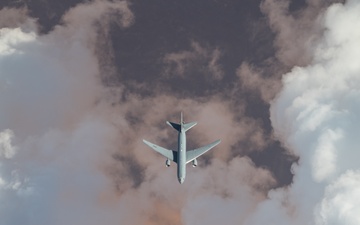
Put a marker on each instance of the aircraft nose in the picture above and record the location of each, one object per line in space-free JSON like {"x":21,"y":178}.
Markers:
{"x":181,"y":180}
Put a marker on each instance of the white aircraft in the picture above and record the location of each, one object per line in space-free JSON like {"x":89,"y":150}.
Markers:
{"x":181,"y":157}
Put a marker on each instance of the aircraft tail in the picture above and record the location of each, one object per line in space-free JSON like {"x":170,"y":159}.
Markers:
{"x":186,"y":126}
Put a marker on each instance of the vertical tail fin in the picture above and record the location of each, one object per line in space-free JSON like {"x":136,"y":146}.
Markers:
{"x":181,"y":118}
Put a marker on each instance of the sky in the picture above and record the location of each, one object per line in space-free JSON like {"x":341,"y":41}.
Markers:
{"x":83,"y":82}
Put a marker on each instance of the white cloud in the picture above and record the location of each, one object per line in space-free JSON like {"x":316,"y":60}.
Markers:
{"x":316,"y":116}
{"x":49,"y":94}
{"x":7,"y":150}
{"x":340,"y":203}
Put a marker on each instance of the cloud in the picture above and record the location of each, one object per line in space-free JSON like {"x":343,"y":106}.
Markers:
{"x":158,"y":200}
{"x":12,"y":18}
{"x":297,"y":33}
{"x":199,"y":57}
{"x":338,"y":205}
{"x":71,"y":146}
{"x":231,"y":202}
{"x":316,"y":115}
{"x":146,"y":117}
{"x":225,"y":179}
{"x":7,"y":150}
{"x":50,"y":88}
{"x":79,"y":158}
{"x":252,"y":80}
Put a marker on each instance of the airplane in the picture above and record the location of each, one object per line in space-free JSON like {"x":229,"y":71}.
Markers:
{"x":181,"y":156}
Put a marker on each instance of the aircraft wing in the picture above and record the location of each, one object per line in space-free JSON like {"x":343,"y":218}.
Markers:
{"x":193,"y":154}
{"x":172,"y":155}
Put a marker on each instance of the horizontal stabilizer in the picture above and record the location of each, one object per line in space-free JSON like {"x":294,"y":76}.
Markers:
{"x":174,"y":125}
{"x":163,"y":151}
{"x":188,"y":126}
{"x":193,"y":154}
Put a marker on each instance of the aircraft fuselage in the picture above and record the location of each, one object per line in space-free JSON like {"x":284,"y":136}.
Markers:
{"x":181,"y":169}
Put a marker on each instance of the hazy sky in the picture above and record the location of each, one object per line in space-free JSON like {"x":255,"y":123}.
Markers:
{"x":83,"y":82}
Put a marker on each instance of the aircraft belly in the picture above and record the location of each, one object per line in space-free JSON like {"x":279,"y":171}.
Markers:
{"x":182,"y":166}
{"x":182,"y":158}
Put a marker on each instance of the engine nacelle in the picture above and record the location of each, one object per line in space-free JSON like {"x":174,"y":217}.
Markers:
{"x":167,"y":163}
{"x":194,"y":163}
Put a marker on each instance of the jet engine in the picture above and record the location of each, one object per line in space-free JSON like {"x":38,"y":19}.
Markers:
{"x":167,"y":163}
{"x":194,"y":163}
